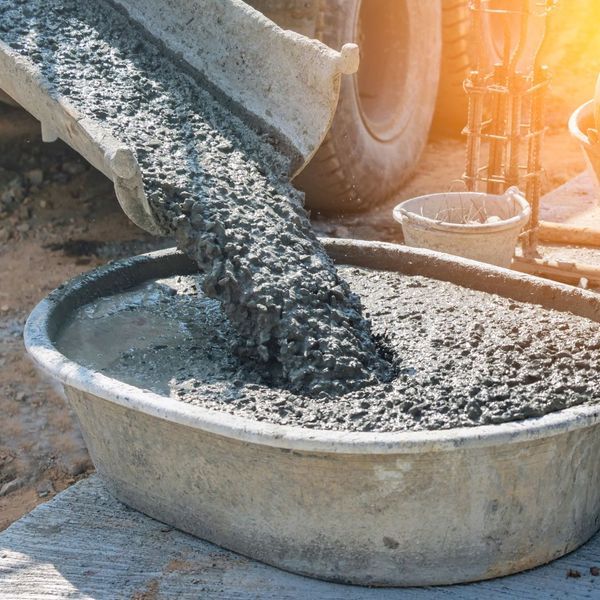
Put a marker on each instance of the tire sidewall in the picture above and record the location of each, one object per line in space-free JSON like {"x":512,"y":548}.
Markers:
{"x":373,"y":168}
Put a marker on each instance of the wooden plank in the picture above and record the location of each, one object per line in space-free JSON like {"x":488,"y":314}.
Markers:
{"x":561,"y":233}
{"x":567,"y":271}
{"x":85,"y":544}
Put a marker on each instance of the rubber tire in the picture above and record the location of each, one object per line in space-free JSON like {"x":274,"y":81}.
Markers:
{"x":453,"y":104}
{"x":354,"y":170}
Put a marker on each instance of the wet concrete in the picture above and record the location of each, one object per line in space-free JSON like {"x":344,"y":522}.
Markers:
{"x":222,"y":188}
{"x":461,"y":357}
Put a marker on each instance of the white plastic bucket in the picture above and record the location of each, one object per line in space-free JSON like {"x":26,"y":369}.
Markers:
{"x":474,"y":225}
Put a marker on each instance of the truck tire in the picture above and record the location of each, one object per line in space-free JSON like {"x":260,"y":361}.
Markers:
{"x":453,"y":104}
{"x":385,"y":110}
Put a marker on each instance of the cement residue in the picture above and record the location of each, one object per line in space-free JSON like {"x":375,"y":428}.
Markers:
{"x":222,"y":189}
{"x":461,"y":357}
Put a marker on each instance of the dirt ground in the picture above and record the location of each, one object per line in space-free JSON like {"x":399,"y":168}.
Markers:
{"x":59,"y":217}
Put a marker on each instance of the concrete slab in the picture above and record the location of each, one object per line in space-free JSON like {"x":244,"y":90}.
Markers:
{"x":577,"y":203}
{"x":86,"y":544}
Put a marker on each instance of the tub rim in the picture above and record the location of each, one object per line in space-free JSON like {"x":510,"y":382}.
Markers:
{"x":39,"y":345}
{"x":582,"y":112}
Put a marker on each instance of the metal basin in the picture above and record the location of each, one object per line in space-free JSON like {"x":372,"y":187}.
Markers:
{"x":580,"y":124}
{"x":387,"y":509}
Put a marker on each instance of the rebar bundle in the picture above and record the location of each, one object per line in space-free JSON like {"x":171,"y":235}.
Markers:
{"x":507,"y":88}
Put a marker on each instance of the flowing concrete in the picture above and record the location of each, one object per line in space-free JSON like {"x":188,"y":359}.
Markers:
{"x":214,"y":181}
{"x":288,"y":83}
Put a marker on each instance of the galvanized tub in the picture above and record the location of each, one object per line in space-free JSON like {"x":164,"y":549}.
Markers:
{"x":387,"y":509}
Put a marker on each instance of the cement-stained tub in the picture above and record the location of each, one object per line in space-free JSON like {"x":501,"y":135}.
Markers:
{"x":410,"y":508}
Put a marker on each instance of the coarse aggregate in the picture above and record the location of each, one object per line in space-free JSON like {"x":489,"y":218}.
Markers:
{"x":461,"y":357}
{"x":220,"y":186}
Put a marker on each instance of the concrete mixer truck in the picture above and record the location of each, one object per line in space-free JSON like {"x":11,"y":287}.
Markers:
{"x":413,"y":59}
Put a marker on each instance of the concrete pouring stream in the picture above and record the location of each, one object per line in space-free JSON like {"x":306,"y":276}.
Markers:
{"x":221,"y":188}
{"x":271,"y":330}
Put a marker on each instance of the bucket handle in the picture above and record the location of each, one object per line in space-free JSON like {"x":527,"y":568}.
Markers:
{"x":516,"y":195}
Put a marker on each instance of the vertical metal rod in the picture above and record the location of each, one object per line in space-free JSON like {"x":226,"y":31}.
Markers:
{"x":477,"y":33}
{"x":473,"y":87}
{"x":516,"y":115}
{"x":497,"y":129}
{"x":475,"y":118}
{"x":516,"y":98}
{"x":534,"y":163}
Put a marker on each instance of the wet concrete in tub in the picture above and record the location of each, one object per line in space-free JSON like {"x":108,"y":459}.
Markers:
{"x":461,"y":357}
{"x":222,"y":188}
